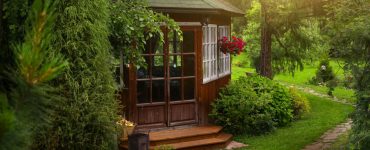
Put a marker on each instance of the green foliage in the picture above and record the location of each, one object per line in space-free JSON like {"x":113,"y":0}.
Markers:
{"x":325,"y":76}
{"x":348,"y":28}
{"x":25,"y":110}
{"x":13,"y":22}
{"x":324,"y":115}
{"x":86,"y":117}
{"x":252,"y":105}
{"x":132,"y":25}
{"x":239,"y":23}
{"x":348,"y":81}
{"x":7,"y":117}
{"x":324,"y":73}
{"x":300,"y":103}
{"x":295,"y":36}
{"x":16,"y":12}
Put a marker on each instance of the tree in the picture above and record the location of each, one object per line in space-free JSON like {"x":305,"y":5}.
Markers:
{"x":239,"y":23}
{"x":25,"y":102}
{"x":86,"y":117}
{"x":13,"y":16}
{"x":282,"y":35}
{"x":348,"y":28}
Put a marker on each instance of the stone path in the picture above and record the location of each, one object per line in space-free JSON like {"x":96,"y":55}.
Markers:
{"x":330,"y":136}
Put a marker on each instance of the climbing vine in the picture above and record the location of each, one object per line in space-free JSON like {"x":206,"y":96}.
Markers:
{"x":132,"y":24}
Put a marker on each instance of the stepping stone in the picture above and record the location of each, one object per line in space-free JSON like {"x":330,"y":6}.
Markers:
{"x":235,"y":145}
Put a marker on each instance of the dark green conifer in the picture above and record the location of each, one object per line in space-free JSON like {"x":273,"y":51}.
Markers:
{"x":86,"y":118}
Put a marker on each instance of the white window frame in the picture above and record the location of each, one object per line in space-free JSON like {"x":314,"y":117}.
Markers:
{"x":224,"y":59}
{"x":209,"y":49}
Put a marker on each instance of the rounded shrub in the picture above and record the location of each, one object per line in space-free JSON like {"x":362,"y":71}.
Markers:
{"x":252,"y":105}
{"x":300,"y":103}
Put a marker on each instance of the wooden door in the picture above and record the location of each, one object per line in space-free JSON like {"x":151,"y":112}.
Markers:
{"x":182,"y":78}
{"x":166,"y":88}
{"x":151,"y":85}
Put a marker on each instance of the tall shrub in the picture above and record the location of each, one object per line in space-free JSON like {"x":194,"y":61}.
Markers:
{"x":349,"y":28}
{"x":86,"y":118}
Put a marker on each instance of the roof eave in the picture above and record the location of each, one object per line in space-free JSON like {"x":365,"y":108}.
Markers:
{"x":197,"y":11}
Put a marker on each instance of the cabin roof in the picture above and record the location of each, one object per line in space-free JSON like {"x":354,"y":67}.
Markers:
{"x":196,"y":7}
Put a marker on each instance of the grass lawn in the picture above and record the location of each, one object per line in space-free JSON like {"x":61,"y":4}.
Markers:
{"x":300,"y":78}
{"x":324,"y":115}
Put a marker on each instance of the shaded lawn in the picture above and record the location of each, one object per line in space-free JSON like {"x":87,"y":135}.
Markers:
{"x":325,"y":114}
{"x":300,"y":78}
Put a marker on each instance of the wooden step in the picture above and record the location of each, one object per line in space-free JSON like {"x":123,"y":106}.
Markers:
{"x":201,"y":137}
{"x":208,"y":143}
{"x":182,"y":135}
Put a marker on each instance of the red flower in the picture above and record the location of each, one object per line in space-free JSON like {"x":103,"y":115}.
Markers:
{"x":235,"y":46}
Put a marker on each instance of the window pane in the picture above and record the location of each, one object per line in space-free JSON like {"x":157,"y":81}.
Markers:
{"x":158,"y":49}
{"x":189,"y":88}
{"x":143,"y":92}
{"x":158,"y":90}
{"x":143,"y":72}
{"x":221,"y":65}
{"x":152,"y":45}
{"x":204,"y":69}
{"x":204,"y":34}
{"x":188,"y":42}
{"x":158,"y":66}
{"x":175,"y":90}
{"x":175,"y":66}
{"x":189,"y":67}
{"x":174,"y":44}
{"x":204,"y":52}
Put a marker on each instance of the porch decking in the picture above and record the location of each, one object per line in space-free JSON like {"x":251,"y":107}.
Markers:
{"x":201,"y":137}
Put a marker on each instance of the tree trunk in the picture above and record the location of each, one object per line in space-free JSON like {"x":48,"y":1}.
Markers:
{"x":265,"y":68}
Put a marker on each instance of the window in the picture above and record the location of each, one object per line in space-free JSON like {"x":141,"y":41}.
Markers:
{"x":209,"y":53}
{"x":150,"y":80}
{"x":224,"y":59}
{"x":215,"y":63}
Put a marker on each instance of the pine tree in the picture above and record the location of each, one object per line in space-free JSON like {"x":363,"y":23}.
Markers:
{"x":25,"y":107}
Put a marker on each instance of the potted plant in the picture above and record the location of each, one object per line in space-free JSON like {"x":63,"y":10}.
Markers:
{"x":234,"y":46}
{"x":127,"y":127}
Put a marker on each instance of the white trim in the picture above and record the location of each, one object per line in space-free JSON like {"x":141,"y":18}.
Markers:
{"x":209,"y":49}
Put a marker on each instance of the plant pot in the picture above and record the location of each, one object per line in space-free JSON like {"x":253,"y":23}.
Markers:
{"x":127,"y":130}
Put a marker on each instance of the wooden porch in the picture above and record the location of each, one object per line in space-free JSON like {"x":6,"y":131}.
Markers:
{"x":194,"y":138}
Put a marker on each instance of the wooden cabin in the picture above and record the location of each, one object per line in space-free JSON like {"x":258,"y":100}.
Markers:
{"x":183,"y":77}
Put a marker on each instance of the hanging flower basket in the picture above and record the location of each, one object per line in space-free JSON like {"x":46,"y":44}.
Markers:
{"x":234,"y":46}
